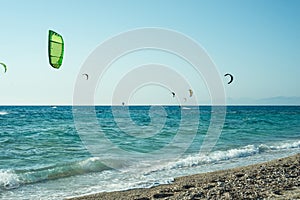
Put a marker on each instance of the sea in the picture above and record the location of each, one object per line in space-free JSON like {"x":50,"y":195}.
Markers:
{"x":45,"y":152}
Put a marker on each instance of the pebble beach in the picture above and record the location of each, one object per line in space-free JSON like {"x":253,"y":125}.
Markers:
{"x":277,"y":179}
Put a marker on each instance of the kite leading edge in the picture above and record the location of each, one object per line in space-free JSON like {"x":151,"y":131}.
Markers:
{"x":5,"y":68}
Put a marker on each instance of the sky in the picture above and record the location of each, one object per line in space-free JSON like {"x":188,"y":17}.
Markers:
{"x":258,"y":42}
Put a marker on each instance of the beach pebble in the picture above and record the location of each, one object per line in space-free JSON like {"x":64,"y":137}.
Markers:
{"x":162,"y":195}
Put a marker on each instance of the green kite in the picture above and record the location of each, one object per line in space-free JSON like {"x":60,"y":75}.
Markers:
{"x":55,"y":49}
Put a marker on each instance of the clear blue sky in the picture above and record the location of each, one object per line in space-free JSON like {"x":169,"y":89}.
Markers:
{"x":257,"y":41}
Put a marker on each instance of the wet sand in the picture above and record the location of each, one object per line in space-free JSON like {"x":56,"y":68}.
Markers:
{"x":277,"y":179}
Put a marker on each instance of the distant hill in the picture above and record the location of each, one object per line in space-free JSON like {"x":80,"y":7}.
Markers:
{"x":279,"y":100}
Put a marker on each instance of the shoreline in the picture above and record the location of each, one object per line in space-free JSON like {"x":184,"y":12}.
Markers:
{"x":276,"y":179}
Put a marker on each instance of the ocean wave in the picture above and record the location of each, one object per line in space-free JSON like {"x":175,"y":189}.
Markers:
{"x":218,"y":156}
{"x":279,"y":146}
{"x":290,"y":145}
{"x":3,"y":113}
{"x":11,"y":179}
{"x":8,"y":180}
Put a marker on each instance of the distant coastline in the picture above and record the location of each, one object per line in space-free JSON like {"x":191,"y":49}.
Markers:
{"x":278,"y":100}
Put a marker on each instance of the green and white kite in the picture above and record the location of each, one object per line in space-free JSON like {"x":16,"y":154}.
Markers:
{"x":55,"y":49}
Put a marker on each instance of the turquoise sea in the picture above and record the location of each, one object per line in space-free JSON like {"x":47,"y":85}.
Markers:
{"x":44,"y":154}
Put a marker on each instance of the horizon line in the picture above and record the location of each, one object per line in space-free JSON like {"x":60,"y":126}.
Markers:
{"x":51,"y":105}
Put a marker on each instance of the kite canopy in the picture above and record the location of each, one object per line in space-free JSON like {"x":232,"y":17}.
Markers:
{"x":5,"y":68}
{"x":86,"y":76}
{"x":191,"y":92}
{"x":231,"y":77}
{"x":55,"y":49}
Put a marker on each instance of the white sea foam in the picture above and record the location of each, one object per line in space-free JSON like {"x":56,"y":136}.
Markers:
{"x":217,"y":156}
{"x":289,"y":145}
{"x":3,"y":113}
{"x":195,"y":160}
{"x":8,"y":180}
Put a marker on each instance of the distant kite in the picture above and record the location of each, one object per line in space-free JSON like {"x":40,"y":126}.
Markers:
{"x":231,"y":78}
{"x":173,"y":94}
{"x":55,"y":49}
{"x":191,"y":92}
{"x":86,"y":76}
{"x":5,"y":68}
